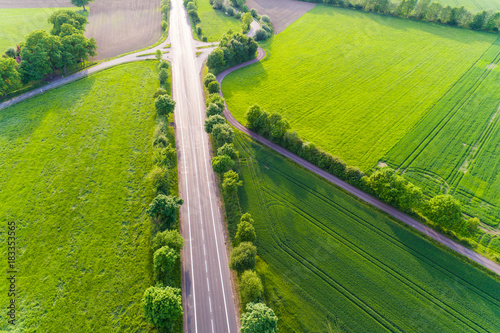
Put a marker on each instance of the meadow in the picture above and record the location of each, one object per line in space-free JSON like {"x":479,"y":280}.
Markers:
{"x":326,"y":258}
{"x":73,"y":173}
{"x":355,"y":83}
{"x":473,"y":5}
{"x":214,"y":22}
{"x":456,"y":147}
{"x":16,"y":23}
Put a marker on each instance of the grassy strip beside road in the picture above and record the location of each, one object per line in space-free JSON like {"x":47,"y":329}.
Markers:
{"x":345,"y":260}
{"x":73,"y":177}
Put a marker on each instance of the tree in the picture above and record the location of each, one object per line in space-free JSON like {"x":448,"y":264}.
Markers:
{"x":421,"y":8}
{"x":444,"y":210}
{"x":40,"y":55}
{"x":246,"y":217}
{"x":170,"y":238}
{"x":217,"y":100}
{"x":158,"y":55}
{"x":214,"y":87}
{"x":222,"y":164}
{"x":479,"y":20}
{"x":209,"y":78}
{"x":250,"y":287}
{"x":164,"y":260}
{"x":163,"y":76}
{"x":76,"y":49}
{"x":261,"y":34}
{"x":222,"y":133}
{"x":252,"y":115}
{"x":162,"y":306}
{"x":246,"y":20}
{"x":258,"y":318}
{"x":473,"y":226}
{"x":164,"y":105}
{"x":165,"y":208}
{"x":215,"y":61}
{"x":405,"y":7}
{"x":159,"y":92}
{"x":278,"y":126}
{"x":246,"y":232}
{"x":213,"y":110}
{"x":211,"y":121}
{"x":65,"y":16}
{"x":243,"y":257}
{"x":434,"y":12}
{"x":231,"y":182}
{"x":227,"y":149}
{"x":9,"y":76}
{"x":81,"y":3}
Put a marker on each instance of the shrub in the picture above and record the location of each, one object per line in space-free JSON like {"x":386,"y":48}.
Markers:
{"x":191,"y":6}
{"x":164,"y":260}
{"x":217,"y":100}
{"x":227,"y":149}
{"x":162,"y":306}
{"x":163,"y":75}
{"x":213,"y":110}
{"x":164,"y":105}
{"x":165,"y":208}
{"x":222,"y":133}
{"x":198,"y":30}
{"x":170,"y":238}
{"x":160,"y":141}
{"x":445,"y":211}
{"x":231,"y":182}
{"x":261,"y":34}
{"x":217,"y":4}
{"x":10,"y":53}
{"x":158,"y":56}
{"x":222,"y":164}
{"x":237,"y":16}
{"x":209,"y":78}
{"x":258,"y":318}
{"x":214,"y":87}
{"x":159,"y":92}
{"x":254,"y":13}
{"x":250,"y":287}
{"x":245,"y":9}
{"x":164,"y":25}
{"x":193,"y":14}
{"x":211,"y":121}
{"x":243,"y":257}
{"x":265,"y":18}
{"x":268,"y":28}
{"x":205,"y":39}
{"x":163,"y":65}
{"x":158,"y":178}
{"x":246,"y":232}
{"x":230,"y":11}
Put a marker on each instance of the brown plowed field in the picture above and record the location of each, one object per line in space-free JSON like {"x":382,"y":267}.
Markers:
{"x":34,"y":3}
{"x":282,"y":12}
{"x":121,"y":26}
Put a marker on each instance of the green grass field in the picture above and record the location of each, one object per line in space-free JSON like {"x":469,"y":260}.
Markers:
{"x":325,"y":256}
{"x":16,"y":23}
{"x":215,"y":23}
{"x":473,"y":5}
{"x":355,"y":83}
{"x":456,"y":147}
{"x":73,"y":167}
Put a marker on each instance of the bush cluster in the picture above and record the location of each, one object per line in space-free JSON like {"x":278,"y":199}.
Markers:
{"x":233,"y":50}
{"x":165,"y":9}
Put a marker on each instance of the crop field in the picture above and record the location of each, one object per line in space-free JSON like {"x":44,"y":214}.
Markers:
{"x":73,"y":163}
{"x":282,"y":12}
{"x":456,"y":147}
{"x":16,"y":23}
{"x":35,"y":3}
{"x":325,"y":255}
{"x":215,"y":23}
{"x":473,"y":5}
{"x":123,"y":26}
{"x":353,"y":82}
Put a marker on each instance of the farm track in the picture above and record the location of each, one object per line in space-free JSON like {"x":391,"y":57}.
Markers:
{"x":351,"y":189}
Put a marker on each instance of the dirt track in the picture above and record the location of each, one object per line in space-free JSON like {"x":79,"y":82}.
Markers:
{"x":121,"y":26}
{"x":34,"y":3}
{"x":282,"y":12}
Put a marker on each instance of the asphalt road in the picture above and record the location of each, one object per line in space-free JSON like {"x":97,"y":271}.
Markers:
{"x":491,"y":265}
{"x":208,"y":298}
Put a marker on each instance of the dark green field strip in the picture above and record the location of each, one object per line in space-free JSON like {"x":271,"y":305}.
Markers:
{"x":375,"y":268}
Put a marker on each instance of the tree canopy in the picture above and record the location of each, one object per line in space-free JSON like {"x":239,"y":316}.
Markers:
{"x":162,"y":306}
{"x":258,"y":318}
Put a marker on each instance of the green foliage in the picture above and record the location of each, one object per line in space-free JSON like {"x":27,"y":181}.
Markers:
{"x":164,"y":260}
{"x":265,"y":19}
{"x":243,"y":257}
{"x":158,"y":56}
{"x":159,"y":179}
{"x":222,"y":164}
{"x":231,"y":182}
{"x":9,"y":76}
{"x":163,"y":65}
{"x":209,"y":78}
{"x":162,"y":306}
{"x":164,"y":104}
{"x":165,"y":208}
{"x":222,"y":134}
{"x":213,"y":110}
{"x":258,"y":318}
{"x":233,"y":49}
{"x":199,"y":31}
{"x":250,"y":287}
{"x":65,"y":16}
{"x":159,"y":92}
{"x":214,"y":87}
{"x":164,"y":25}
{"x":217,"y":100}
{"x":211,"y":121}
{"x":246,"y":20}
{"x":169,"y":238}
{"x":49,"y":148}
{"x":81,"y":3}
{"x":230,"y":11}
{"x":163,"y":75}
{"x":444,"y":210}
{"x":227,"y":149}
{"x":246,"y":232}
{"x":215,"y":22}
{"x":313,"y":235}
{"x":261,"y":34}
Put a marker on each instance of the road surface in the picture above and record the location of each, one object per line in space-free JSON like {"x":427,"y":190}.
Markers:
{"x":491,"y":265}
{"x":208,"y":299}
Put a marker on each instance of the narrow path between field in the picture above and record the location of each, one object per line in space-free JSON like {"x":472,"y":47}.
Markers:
{"x":474,"y":256}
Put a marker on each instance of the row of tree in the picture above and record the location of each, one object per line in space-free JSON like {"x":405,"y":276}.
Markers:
{"x":425,"y":10}
{"x":43,"y":53}
{"x":233,"y":50}
{"x":444,"y":210}
{"x":162,"y":303}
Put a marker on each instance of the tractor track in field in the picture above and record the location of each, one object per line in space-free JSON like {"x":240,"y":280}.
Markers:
{"x":406,"y":219}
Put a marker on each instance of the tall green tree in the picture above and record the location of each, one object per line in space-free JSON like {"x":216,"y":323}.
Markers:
{"x":250,"y":287}
{"x":40,"y":55}
{"x":444,"y":210}
{"x":162,"y":306}
{"x":10,"y":79}
{"x":81,"y":3}
{"x":77,"y":49}
{"x":164,"y":105}
{"x":258,"y":318}
{"x":164,"y":260}
{"x":165,"y":208}
{"x":65,"y":16}
{"x":421,"y":8}
{"x":243,"y":257}
{"x":479,"y":20}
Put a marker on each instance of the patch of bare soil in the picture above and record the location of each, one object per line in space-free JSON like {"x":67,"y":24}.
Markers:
{"x":282,"y":12}
{"x":34,"y":3}
{"x":121,"y":26}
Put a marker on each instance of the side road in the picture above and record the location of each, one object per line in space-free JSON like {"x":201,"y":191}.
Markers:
{"x":353,"y":190}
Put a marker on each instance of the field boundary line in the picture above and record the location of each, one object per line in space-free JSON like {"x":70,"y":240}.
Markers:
{"x":458,"y":248}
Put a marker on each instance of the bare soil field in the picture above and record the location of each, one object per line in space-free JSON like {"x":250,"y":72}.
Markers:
{"x":123,"y":26}
{"x":34,"y":3}
{"x":282,"y":12}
